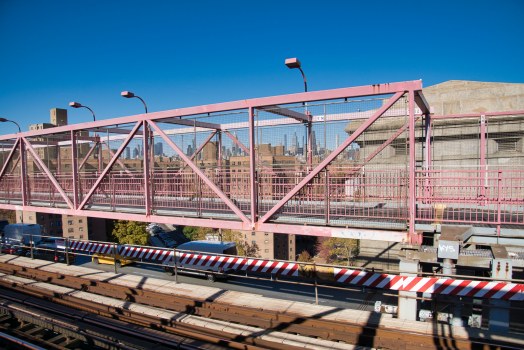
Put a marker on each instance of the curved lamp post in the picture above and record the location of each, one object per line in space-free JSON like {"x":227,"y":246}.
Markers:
{"x":129,"y":94}
{"x":3,"y":120}
{"x":295,"y":63}
{"x":78,"y":105}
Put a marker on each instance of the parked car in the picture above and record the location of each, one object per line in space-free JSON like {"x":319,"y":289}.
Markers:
{"x":51,"y":253}
{"x":229,"y":248}
{"x":7,"y":249}
{"x":99,"y":258}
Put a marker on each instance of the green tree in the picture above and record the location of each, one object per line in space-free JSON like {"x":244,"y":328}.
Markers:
{"x":304,"y":257}
{"x":128,"y":232}
{"x":190,"y":232}
{"x":341,"y":247}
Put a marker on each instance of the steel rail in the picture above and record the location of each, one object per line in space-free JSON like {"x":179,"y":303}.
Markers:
{"x":332,"y":330}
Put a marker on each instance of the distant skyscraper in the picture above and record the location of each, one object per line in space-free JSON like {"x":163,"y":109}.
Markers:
{"x":336,"y":141}
{"x":127,"y":153}
{"x":294,"y":143}
{"x":159,"y":149}
{"x":189,"y":150}
{"x":285,"y":143}
{"x":136,"y":152}
{"x":304,"y":148}
{"x":314,"y":142}
{"x":193,"y":147}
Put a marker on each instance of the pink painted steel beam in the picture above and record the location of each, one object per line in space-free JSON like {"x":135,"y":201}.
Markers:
{"x":287,"y":113}
{"x":50,"y":176}
{"x":422,"y":103}
{"x":378,"y":150}
{"x":252,"y":173}
{"x":241,"y":145}
{"x":23,"y":172}
{"x":74,"y":167}
{"x":478,"y":115}
{"x":8,"y":159}
{"x":199,"y":149}
{"x":333,"y":155}
{"x":109,"y":165}
{"x":116,"y":131}
{"x":369,"y":90}
{"x":87,"y":156}
{"x":193,"y":123}
{"x":412,"y":203}
{"x":110,"y":152}
{"x":200,"y":174}
{"x":147,"y":183}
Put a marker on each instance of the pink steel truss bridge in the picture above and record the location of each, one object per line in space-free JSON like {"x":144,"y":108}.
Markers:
{"x":356,"y":162}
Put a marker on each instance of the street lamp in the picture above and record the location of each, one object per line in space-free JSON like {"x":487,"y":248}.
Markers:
{"x":78,"y":105}
{"x":129,"y":94}
{"x":295,"y":63}
{"x":3,"y":120}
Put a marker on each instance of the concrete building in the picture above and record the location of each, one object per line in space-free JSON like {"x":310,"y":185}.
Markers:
{"x":268,"y":245}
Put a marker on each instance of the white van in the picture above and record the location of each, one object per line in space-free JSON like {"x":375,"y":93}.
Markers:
{"x":19,"y":234}
{"x":199,"y":247}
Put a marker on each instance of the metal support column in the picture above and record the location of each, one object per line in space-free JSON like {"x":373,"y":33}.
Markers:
{"x":412,"y":202}
{"x":407,"y":306}
{"x":74,"y":167}
{"x":147,"y":184}
{"x":252,"y":164}
{"x":23,"y":173}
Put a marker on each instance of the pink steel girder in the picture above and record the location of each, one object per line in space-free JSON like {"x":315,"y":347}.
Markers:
{"x":412,"y":200}
{"x":241,"y":145}
{"x":8,"y":159}
{"x":43,"y":168}
{"x":199,"y":173}
{"x":288,"y":113}
{"x":87,"y":156}
{"x":252,"y":170}
{"x":368,"y":90}
{"x":109,"y":165}
{"x":147,"y":182}
{"x":333,"y":155}
{"x":74,"y":167}
{"x":198,"y":150}
{"x":112,"y":154}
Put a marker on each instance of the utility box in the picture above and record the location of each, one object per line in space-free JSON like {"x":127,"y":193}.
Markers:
{"x":449,"y":241}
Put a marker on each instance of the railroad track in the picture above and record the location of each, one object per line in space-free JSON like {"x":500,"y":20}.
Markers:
{"x":370,"y":335}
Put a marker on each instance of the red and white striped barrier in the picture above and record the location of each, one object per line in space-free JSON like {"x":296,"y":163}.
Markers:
{"x":146,"y":253}
{"x":242,"y":264}
{"x":91,"y":247}
{"x":477,"y":289}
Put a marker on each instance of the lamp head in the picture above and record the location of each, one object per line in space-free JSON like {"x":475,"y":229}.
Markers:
{"x":3,"y":120}
{"x":75,"y":104}
{"x":127,"y":94}
{"x":293,"y":63}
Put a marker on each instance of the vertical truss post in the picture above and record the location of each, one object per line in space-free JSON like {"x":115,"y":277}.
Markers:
{"x":219,"y":160}
{"x":427,"y":150}
{"x":147,"y":184}
{"x":309,"y":158}
{"x":58,"y":165}
{"x":252,"y":171}
{"x":23,"y":174}
{"x":412,"y":201}
{"x":483,"y":182}
{"x":74,"y":167}
{"x":100,"y":156}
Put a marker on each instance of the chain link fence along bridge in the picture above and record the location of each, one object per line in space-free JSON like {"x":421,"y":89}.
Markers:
{"x":366,"y":162}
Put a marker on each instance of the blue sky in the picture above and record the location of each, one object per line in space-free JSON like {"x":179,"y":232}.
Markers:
{"x":185,"y":53}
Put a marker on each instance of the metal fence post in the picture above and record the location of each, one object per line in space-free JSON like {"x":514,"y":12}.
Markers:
{"x":114,"y":257}
{"x":316,"y":286}
{"x":31,"y":245}
{"x":176,"y":270}
{"x":499,"y":204}
{"x":67,"y":251}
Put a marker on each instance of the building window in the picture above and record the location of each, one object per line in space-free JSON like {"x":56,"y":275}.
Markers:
{"x":70,"y":230}
{"x":81,"y":236}
{"x":59,"y":223}
{"x":70,"y":222}
{"x":71,"y":236}
{"x":80,"y":221}
{"x":59,"y":232}
{"x":290,"y":249}
{"x":253,"y":233}
{"x":267,"y":250}
{"x":30,"y":218}
{"x":253,"y":242}
{"x":266,"y":242}
{"x":267,"y":233}
{"x":51,"y":224}
{"x":291,"y":242}
{"x":58,"y":216}
{"x":81,"y":229}
{"x":42,"y":217}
